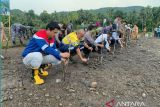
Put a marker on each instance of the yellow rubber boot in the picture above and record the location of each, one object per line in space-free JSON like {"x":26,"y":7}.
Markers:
{"x":37,"y":79}
{"x":43,"y":72}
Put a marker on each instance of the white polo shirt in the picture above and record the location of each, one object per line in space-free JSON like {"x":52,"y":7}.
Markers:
{"x":101,"y":38}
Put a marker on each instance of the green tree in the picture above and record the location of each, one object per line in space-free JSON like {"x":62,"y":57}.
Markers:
{"x":45,"y":17}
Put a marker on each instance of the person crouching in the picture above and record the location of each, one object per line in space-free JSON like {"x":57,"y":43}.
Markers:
{"x":41,"y":50}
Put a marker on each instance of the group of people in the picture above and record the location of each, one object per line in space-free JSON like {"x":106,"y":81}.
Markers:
{"x":20,"y":31}
{"x":52,"y":46}
{"x":157,"y":32}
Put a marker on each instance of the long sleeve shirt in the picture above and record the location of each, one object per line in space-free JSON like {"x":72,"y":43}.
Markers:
{"x":41,"y":43}
{"x":88,"y":38}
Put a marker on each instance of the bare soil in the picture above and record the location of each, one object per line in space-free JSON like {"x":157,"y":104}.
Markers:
{"x":132,"y":74}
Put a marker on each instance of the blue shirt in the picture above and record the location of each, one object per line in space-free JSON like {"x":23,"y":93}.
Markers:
{"x":40,"y":43}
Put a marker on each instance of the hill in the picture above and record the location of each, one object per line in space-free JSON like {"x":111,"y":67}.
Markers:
{"x":124,"y":9}
{"x":100,"y":10}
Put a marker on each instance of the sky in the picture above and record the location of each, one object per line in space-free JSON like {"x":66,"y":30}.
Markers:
{"x":71,"y":5}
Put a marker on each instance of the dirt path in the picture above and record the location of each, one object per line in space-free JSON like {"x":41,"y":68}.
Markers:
{"x":132,"y":75}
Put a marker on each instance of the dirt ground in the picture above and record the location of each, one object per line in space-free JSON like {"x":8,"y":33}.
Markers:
{"x":131,"y":75}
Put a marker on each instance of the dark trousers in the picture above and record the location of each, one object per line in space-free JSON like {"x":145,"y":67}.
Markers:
{"x":113,"y":41}
{"x":66,"y":48}
{"x":87,"y":51}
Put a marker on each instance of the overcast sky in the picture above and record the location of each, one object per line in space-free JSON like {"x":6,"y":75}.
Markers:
{"x":69,"y":5}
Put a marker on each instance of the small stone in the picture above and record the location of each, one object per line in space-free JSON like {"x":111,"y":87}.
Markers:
{"x":36,"y":98}
{"x":94,"y":84}
{"x":92,"y":89}
{"x":67,"y":94}
{"x":58,"y":80}
{"x":154,"y":98}
{"x":5,"y":98}
{"x":30,"y":94}
{"x":114,"y":91}
{"x":60,"y":105}
{"x":117,"y":96}
{"x":104,"y":94}
{"x":11,"y":97}
{"x":47,"y":95}
{"x":97,"y":93}
{"x":71,"y":90}
{"x":94,"y":67}
{"x":58,"y":97}
{"x":14,"y":70}
{"x":136,"y":97}
{"x":143,"y":95}
{"x":70,"y":104}
{"x":44,"y":89}
{"x":2,"y":57}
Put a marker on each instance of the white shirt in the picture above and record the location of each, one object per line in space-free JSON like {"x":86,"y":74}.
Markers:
{"x":101,"y":38}
{"x":115,"y":36}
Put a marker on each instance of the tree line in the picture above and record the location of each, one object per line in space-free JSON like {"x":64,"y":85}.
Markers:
{"x":148,"y":17}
